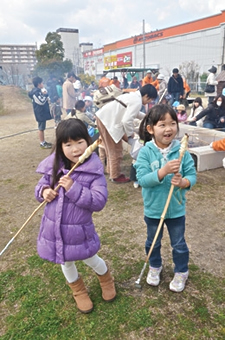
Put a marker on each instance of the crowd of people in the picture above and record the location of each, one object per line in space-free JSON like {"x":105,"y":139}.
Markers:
{"x":75,"y":100}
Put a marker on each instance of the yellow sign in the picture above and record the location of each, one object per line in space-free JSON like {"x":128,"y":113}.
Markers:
{"x":110,"y":62}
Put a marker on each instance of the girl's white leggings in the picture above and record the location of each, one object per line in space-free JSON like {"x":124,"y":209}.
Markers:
{"x":70,"y":272}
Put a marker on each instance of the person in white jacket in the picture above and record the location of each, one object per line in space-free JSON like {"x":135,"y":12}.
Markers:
{"x":195,"y":110}
{"x":115,"y":123}
{"x":211,"y":80}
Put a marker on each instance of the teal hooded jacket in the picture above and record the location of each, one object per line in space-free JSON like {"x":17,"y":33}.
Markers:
{"x":154,"y":191}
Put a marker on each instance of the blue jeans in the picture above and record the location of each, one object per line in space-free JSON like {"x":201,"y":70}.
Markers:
{"x":180,"y":252}
{"x":210,"y":100}
{"x":208,"y":125}
{"x":175,"y":97}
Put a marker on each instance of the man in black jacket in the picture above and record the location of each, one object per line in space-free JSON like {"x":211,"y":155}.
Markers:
{"x":175,"y":86}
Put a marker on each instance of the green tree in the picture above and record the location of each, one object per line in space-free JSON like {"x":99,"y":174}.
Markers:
{"x":86,"y":79}
{"x":50,"y":58}
{"x":203,"y":77}
{"x":52,"y":49}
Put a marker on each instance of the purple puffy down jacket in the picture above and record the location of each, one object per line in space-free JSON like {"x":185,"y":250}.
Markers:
{"x":67,"y":232}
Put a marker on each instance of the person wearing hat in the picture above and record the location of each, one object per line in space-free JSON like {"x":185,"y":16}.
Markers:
{"x":88,"y":101}
{"x":116,"y":124}
{"x":211,"y":80}
{"x":148,"y":78}
{"x":175,"y":86}
{"x":181,"y":113}
{"x":162,"y":92}
{"x":88,"y":106}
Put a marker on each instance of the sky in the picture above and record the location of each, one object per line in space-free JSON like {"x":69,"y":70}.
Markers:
{"x":99,"y":21}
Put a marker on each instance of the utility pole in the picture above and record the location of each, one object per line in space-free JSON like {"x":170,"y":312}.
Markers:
{"x":223,"y":46}
{"x":143,"y":45}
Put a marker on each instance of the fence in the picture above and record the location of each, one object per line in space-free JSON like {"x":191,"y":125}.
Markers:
{"x":197,"y":87}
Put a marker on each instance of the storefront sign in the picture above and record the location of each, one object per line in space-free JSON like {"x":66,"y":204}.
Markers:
{"x":148,"y":37}
{"x":124,"y":59}
{"x":118,"y":60}
{"x":93,"y":53}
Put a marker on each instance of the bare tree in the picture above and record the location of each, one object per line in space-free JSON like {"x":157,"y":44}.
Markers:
{"x":16,"y":75}
{"x":190,"y":71}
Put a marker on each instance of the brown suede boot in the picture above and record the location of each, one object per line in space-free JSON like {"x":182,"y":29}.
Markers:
{"x":108,"y":287}
{"x":80,"y":294}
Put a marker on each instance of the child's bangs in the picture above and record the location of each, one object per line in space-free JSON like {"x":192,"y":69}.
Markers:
{"x":72,"y":134}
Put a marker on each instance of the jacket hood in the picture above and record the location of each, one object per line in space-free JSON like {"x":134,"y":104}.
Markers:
{"x":46,"y":166}
{"x":33,"y":91}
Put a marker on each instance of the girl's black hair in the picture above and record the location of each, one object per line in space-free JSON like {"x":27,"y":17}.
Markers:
{"x":197,"y":100}
{"x":156,"y":113}
{"x":68,"y":129}
{"x":216,"y":98}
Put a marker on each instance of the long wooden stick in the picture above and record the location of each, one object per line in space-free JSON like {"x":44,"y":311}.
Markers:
{"x":82,"y":158}
{"x":183,"y":148}
{"x":162,"y":95}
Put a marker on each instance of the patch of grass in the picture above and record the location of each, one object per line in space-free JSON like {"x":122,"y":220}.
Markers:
{"x":6,"y":181}
{"x":118,"y":196}
{"x":42,"y":314}
{"x":42,"y":307}
{"x":198,"y":186}
{"x":3,"y":211}
{"x":2,"y":111}
{"x":193,"y":267}
{"x":23,"y":186}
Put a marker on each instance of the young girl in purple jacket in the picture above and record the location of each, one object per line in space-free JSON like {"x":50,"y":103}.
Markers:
{"x":67,"y":232}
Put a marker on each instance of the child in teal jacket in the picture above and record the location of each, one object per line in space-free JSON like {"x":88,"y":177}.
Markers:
{"x":158,"y":166}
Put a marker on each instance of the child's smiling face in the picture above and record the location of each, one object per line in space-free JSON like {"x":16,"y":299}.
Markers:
{"x":164,"y":131}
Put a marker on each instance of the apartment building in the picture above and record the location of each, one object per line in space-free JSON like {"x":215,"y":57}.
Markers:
{"x":16,"y":63}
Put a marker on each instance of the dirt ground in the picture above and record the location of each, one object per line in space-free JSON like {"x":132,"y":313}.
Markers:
{"x":20,"y":154}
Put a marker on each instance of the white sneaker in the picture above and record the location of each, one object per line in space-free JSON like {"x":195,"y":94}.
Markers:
{"x":153,"y":277}
{"x":178,"y":283}
{"x":136,"y":185}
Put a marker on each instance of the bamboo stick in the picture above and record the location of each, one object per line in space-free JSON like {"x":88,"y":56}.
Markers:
{"x":82,"y":158}
{"x":183,"y":148}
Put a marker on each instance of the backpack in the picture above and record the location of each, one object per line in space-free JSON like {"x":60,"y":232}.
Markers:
{"x":107,"y":94}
